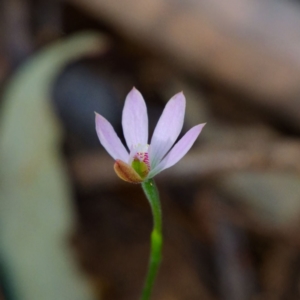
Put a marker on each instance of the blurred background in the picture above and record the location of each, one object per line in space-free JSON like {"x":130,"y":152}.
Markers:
{"x":70,"y":229}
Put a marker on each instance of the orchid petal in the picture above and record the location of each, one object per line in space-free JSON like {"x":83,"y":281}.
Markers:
{"x":109,"y":139}
{"x":178,"y":151}
{"x":135,"y":119}
{"x":167,"y":129}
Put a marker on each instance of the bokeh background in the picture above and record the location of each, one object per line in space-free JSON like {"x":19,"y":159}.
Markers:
{"x":70,"y":229}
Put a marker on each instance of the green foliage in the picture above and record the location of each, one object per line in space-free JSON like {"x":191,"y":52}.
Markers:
{"x":35,"y":207}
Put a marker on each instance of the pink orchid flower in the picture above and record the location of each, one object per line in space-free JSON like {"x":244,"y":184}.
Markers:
{"x":144,"y":161}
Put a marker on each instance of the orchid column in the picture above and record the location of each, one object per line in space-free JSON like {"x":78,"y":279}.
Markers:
{"x":144,"y":161}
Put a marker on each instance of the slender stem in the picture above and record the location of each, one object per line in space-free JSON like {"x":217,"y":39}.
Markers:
{"x":151,"y":193}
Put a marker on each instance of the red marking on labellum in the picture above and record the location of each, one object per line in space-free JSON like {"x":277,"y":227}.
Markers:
{"x":144,"y":157}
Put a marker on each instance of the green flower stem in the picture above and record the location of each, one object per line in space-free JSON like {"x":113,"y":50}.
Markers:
{"x":151,"y":193}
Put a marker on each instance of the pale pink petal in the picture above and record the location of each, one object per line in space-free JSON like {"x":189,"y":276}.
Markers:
{"x":135,"y":119}
{"x":178,"y":151}
{"x":167,"y":129}
{"x":109,"y":139}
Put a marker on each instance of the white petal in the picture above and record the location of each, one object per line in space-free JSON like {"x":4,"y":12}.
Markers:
{"x":109,"y":139}
{"x":167,"y":129}
{"x":135,"y":119}
{"x":179,"y":150}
